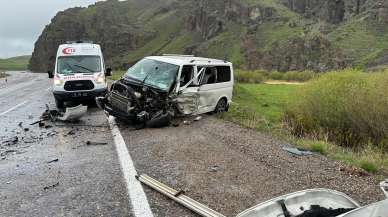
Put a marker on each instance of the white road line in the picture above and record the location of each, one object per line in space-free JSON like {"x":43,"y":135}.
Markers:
{"x":13,"y":108}
{"x":138,"y":199}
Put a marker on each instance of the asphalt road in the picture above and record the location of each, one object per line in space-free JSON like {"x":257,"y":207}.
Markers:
{"x":85,"y":181}
{"x":220,"y":164}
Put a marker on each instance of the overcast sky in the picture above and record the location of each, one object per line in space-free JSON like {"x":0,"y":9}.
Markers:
{"x":22,"y":21}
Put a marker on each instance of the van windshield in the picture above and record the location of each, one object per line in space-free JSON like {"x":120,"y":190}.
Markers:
{"x":154,"y":73}
{"x":79,"y":64}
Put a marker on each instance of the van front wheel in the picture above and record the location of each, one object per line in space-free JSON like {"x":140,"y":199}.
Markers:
{"x":59,"y":103}
{"x":222,"y":106}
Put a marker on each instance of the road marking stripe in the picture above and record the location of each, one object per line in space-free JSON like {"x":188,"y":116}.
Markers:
{"x":138,"y":199}
{"x":13,"y":108}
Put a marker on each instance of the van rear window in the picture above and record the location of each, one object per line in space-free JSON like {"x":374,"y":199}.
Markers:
{"x":79,"y":64}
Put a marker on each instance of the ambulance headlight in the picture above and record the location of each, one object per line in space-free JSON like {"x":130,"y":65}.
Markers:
{"x":58,"y":81}
{"x":100,"y":79}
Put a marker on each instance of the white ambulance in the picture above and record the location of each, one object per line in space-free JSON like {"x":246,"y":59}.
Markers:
{"x":80,"y":73}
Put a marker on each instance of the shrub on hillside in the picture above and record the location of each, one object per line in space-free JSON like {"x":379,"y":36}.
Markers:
{"x":253,"y":77}
{"x":299,"y":76}
{"x":348,"y":107}
{"x":276,"y":75}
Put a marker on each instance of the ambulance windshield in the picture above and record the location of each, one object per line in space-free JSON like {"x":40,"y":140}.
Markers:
{"x":79,"y":64}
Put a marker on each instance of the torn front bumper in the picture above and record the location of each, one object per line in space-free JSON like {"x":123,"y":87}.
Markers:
{"x":103,"y":104}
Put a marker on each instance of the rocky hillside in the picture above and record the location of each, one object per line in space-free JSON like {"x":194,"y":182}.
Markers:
{"x":279,"y":35}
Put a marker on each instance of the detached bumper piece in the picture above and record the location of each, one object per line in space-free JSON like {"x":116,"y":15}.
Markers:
{"x":179,"y":197}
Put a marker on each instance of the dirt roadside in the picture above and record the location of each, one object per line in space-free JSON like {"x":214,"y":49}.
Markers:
{"x":230,"y":168}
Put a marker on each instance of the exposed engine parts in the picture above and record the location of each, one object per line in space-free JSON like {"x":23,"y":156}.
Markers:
{"x":142,"y":105}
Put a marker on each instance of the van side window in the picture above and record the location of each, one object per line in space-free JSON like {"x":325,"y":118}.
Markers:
{"x":223,"y":74}
{"x":186,"y":75}
{"x":209,"y":76}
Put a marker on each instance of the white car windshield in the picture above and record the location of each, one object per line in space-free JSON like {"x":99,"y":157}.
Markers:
{"x":154,"y":73}
{"x":79,"y":64}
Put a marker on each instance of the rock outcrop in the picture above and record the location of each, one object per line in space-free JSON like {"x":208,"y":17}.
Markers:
{"x":274,"y":35}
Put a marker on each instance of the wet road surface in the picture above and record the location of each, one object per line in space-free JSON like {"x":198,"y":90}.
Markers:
{"x":81,"y":180}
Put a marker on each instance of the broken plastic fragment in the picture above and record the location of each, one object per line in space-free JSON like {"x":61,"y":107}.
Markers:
{"x":73,"y":113}
{"x":296,"y":151}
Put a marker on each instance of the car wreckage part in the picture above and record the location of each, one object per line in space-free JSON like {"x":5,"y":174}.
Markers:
{"x":73,"y":113}
{"x":384,"y":187}
{"x":379,"y":209}
{"x":305,"y":203}
{"x":179,"y":197}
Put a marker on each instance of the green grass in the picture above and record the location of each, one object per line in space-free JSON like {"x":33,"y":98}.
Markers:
{"x":14,"y":63}
{"x":263,"y":106}
{"x":260,"y":106}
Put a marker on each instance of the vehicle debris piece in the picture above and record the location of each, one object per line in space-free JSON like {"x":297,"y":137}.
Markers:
{"x":296,"y":151}
{"x":307,"y":203}
{"x":198,"y":118}
{"x":384,"y":187}
{"x":379,"y":209}
{"x":52,"y":161}
{"x":51,"y":186}
{"x":179,"y":197}
{"x":316,"y":211}
{"x":90,"y":143}
{"x":73,"y":113}
{"x":7,"y":152}
{"x":36,"y":122}
{"x":12,"y":141}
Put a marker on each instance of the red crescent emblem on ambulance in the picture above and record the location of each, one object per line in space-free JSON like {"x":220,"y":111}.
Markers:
{"x":68,"y":50}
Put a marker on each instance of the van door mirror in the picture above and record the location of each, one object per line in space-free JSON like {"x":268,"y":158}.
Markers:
{"x":108,"y":72}
{"x":50,"y":74}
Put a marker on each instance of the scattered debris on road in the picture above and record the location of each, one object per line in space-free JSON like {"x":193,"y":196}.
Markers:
{"x":12,"y":141}
{"x":306,"y":203}
{"x":296,"y":151}
{"x":198,"y":118}
{"x":353,"y":171}
{"x":384,"y":187}
{"x":179,"y":197}
{"x":90,"y":143}
{"x":51,"y":186}
{"x":214,"y":168}
{"x":71,"y":114}
{"x":52,"y":161}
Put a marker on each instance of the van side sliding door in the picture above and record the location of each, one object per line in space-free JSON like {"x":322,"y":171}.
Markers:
{"x":215,"y":83}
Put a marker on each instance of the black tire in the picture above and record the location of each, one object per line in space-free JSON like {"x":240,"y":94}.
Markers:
{"x":222,"y":106}
{"x":59,"y":103}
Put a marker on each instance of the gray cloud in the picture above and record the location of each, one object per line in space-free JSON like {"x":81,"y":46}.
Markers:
{"x":22,"y":21}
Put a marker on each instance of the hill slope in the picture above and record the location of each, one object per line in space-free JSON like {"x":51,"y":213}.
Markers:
{"x":15,"y":63}
{"x":277,"y":35}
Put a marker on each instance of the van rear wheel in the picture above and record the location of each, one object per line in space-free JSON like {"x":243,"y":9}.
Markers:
{"x":222,"y":106}
{"x":59,"y":103}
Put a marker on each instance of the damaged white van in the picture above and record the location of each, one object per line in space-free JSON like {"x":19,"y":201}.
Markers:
{"x":158,"y":88}
{"x":79,"y":73}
